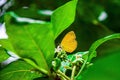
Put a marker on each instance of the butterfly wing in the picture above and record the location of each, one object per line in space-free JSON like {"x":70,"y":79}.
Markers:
{"x":69,"y":43}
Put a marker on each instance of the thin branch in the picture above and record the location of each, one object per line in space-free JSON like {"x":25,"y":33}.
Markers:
{"x":82,"y":67}
{"x":73,"y":72}
{"x":62,"y":74}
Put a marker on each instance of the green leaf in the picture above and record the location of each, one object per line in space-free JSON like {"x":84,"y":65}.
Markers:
{"x":63,"y":17}
{"x":106,"y":68}
{"x":92,"y":50}
{"x":44,"y":39}
{"x":96,"y":44}
{"x":3,"y":54}
{"x":32,"y":41}
{"x":18,"y":70}
{"x":6,"y":44}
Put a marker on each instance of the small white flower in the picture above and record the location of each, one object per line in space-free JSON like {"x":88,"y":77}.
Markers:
{"x":58,"y":49}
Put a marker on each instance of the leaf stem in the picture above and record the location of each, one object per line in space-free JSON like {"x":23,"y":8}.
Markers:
{"x":73,"y":72}
{"x":62,"y":74}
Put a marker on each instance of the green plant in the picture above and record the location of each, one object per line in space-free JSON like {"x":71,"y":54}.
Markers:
{"x":35,"y":44}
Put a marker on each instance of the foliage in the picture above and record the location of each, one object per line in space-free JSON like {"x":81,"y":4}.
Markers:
{"x":34,"y":41}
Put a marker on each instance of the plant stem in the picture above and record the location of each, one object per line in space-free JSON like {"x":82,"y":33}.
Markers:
{"x":62,"y":74}
{"x":73,"y":72}
{"x":82,"y":67}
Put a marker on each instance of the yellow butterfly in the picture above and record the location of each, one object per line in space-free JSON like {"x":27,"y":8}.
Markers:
{"x":69,"y":43}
